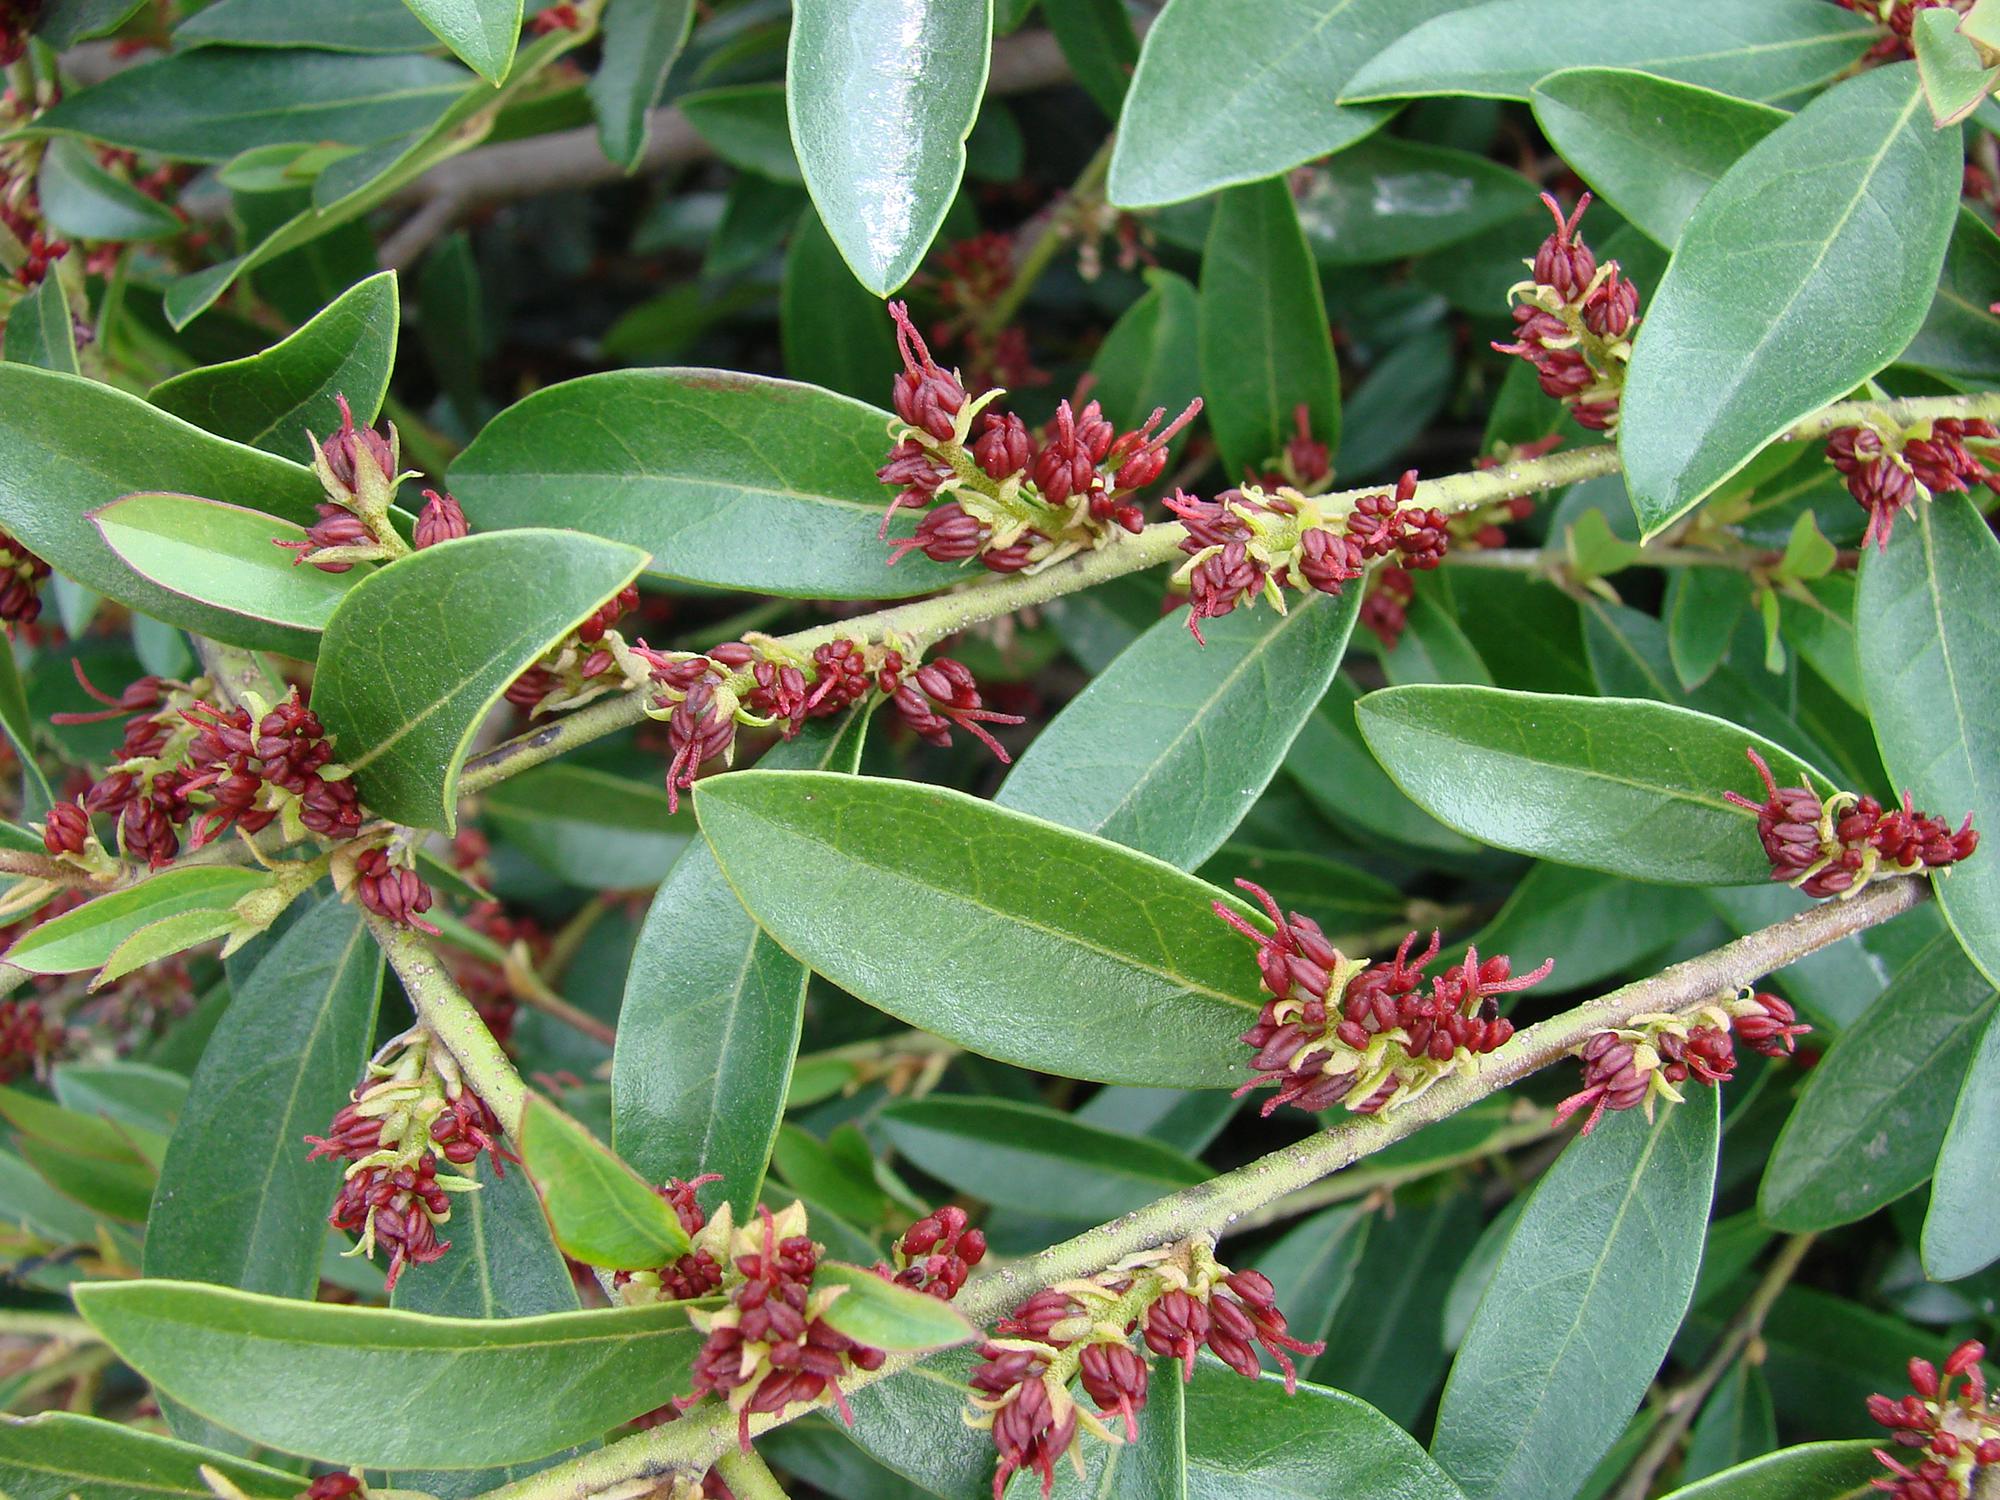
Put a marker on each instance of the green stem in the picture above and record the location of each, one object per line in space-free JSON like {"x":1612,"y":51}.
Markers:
{"x":749,"y":1477}
{"x":236,"y":672}
{"x":443,"y":1008}
{"x":1041,"y":253}
{"x":689,"y":1446}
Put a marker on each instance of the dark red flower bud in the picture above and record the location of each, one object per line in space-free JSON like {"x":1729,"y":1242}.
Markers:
{"x":1329,"y":560}
{"x":66,"y":829}
{"x":1175,"y":1327}
{"x":441,"y":520}
{"x":351,"y":445}
{"x":1771,"y":1029}
{"x":1065,"y":466}
{"x":392,"y":891}
{"x":1144,"y":452}
{"x":1003,"y":447}
{"x":332,"y":1487}
{"x":942,"y":693}
{"x":146,"y":828}
{"x":925,"y":396}
{"x":947,"y":534}
{"x":1115,"y":1377}
{"x":1219,"y":582}
{"x":1564,"y":262}
{"x":1611,"y":310}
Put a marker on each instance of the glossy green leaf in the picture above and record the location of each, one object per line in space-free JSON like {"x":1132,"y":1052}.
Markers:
{"x":1753,"y":326}
{"x":1771,"y":51}
{"x":1593,"y":1283}
{"x":332,"y":25}
{"x":1620,"y":785}
{"x":603,"y":1213}
{"x":1312,"y":1267}
{"x":1955,"y":77}
{"x":40,"y":330}
{"x":1334,"y":768}
{"x":126,"y":1093}
{"x":746,"y":125}
{"x":1736,"y":1423}
{"x":68,"y":446}
{"x":1825,"y":1471}
{"x":1265,"y":346}
{"x":1960,"y":338}
{"x":1432,"y":648}
{"x":590,"y":828}
{"x":641,"y":40}
{"x":1388,"y":199}
{"x":163,"y":939}
{"x":909,"y":896}
{"x":112,"y":1189}
{"x":1152,"y":355}
{"x":913,"y":1423}
{"x":1341,"y":898}
{"x":1925,"y":620}
{"x":836,"y":333}
{"x":732,"y":480}
{"x":1027,"y":1157}
{"x":334,"y":1382}
{"x":1876,"y":1109}
{"x":226,"y":557}
{"x":1283,"y":66}
{"x":1703,"y":608}
{"x":84,"y":938}
{"x":758,"y":216}
{"x":59,"y":1455}
{"x":89,"y":1133}
{"x":1592,"y":925}
{"x":238,"y":1203}
{"x":882,"y":1315}
{"x":1649,"y":146}
{"x":882,"y":94}
{"x":1100,"y":45}
{"x":482,"y":32}
{"x":1170,"y":745}
{"x":1960,"y":1236}
{"x":420,"y":650}
{"x":212,"y":103}
{"x":711,"y":1016}
{"x":82,"y":198}
{"x":273,"y":400}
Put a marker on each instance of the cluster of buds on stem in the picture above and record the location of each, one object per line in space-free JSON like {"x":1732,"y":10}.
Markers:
{"x":1956,"y":1435}
{"x":189,"y":766}
{"x":383,"y":878}
{"x":1889,"y":468}
{"x":1370,"y":1036}
{"x":29,"y":248}
{"x":1176,"y":1299}
{"x":1652,"y":1055}
{"x":359,"y":470}
{"x":1011,"y":501}
{"x":1835,"y":846}
{"x":1248,"y":541}
{"x":28,"y":1039}
{"x":1306,"y":465}
{"x":1574,"y":322}
{"x":771,"y":1345}
{"x":936,"y":1254}
{"x":699,"y":1271}
{"x":21,"y":577}
{"x":579,"y":668}
{"x":411,"y":1113}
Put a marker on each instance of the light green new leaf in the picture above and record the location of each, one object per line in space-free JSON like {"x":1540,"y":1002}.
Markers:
{"x":334,"y":1383}
{"x":641,"y":40}
{"x":883,"y":1315}
{"x":1588,"y":1293}
{"x":1825,"y":1471}
{"x":79,"y":197}
{"x":482,"y":32}
{"x":274,"y":399}
{"x":603,"y":1213}
{"x":1622,"y":785}
{"x":419,"y":650}
{"x":736,"y":481}
{"x":1265,"y":346}
{"x":1770,"y":51}
{"x":881,"y":96}
{"x":911,"y":897}
{"x":1649,"y":146}
{"x":1754,"y":326}
{"x":1954,"y":76}
{"x":59,"y":1455}
{"x":86,"y":937}
{"x":1925,"y":623}
{"x":1170,"y":745}
{"x":238,"y":1203}
{"x":1268,"y":76}
{"x":1960,"y":1234}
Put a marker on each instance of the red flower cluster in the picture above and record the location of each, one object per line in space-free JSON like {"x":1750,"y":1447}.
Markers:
{"x":392,"y":889}
{"x":1337,"y":1030}
{"x":333,"y":1487}
{"x":1956,"y":1435}
{"x":579,"y":668}
{"x":28,"y":1038}
{"x":936,"y":1254}
{"x":358,"y":468}
{"x":695,"y":1274}
{"x":21,"y":576}
{"x":1886,"y":475}
{"x":1630,"y":1066}
{"x":1574,"y":322}
{"x":1306,"y":464}
{"x":1835,"y":847}
{"x":17,"y":17}
{"x":772,"y":1345}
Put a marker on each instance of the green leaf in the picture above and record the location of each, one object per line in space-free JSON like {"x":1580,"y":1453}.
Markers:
{"x":19,"y":726}
{"x":163,"y":939}
{"x":274,"y":399}
{"x":1592,"y":925}
{"x":68,"y":446}
{"x":590,"y":828}
{"x":226,"y":557}
{"x":1752,"y":327}
{"x":482,"y":32}
{"x":89,"y":1133}
{"x":81,"y":198}
{"x":114,"y":1189}
{"x":1027,"y":1157}
{"x":1101,"y":47}
{"x":1771,"y":51}
{"x":1312,"y":1267}
{"x":331,"y":25}
{"x":603,"y":1213}
{"x":238,"y":1203}
{"x":1736,"y":1423}
{"x":1874,"y":1112}
{"x":641,"y":40}
{"x":746,"y":125}
{"x":1283,"y":67}
{"x":908,"y":896}
{"x":1703,"y":608}
{"x":1152,"y":355}
{"x":836,"y":334}
{"x":334,"y":1383}
{"x":882,"y":1315}
{"x":1389,"y":199}
{"x":1954,"y":76}
{"x":1836,"y":1471}
{"x":1960,"y":338}
{"x":1959,"y":1232}
{"x":1154,"y":1466}
{"x":130,"y":1094}
{"x":1342,"y":899}
{"x":61,"y":24}
{"x":1339,"y":776}
{"x":881,"y":95}
{"x":1170,"y":745}
{"x":420,"y":650}
{"x":1620,"y":785}
{"x":40,"y":330}
{"x":1403,"y":394}
{"x":1593,"y":1283}
{"x":1649,"y":146}
{"x":453,"y":324}
{"x":737,"y":481}
{"x":214,"y":103}
{"x":61,"y":1456}
{"x":1433,"y":648}
{"x":1925,"y":615}
{"x":84,"y":938}
{"x":913,"y":1423}
{"x":710,"y":1022}
{"x":1265,"y":346}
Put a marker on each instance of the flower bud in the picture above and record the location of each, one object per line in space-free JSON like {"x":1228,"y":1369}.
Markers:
{"x":441,"y":520}
{"x":66,"y":829}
